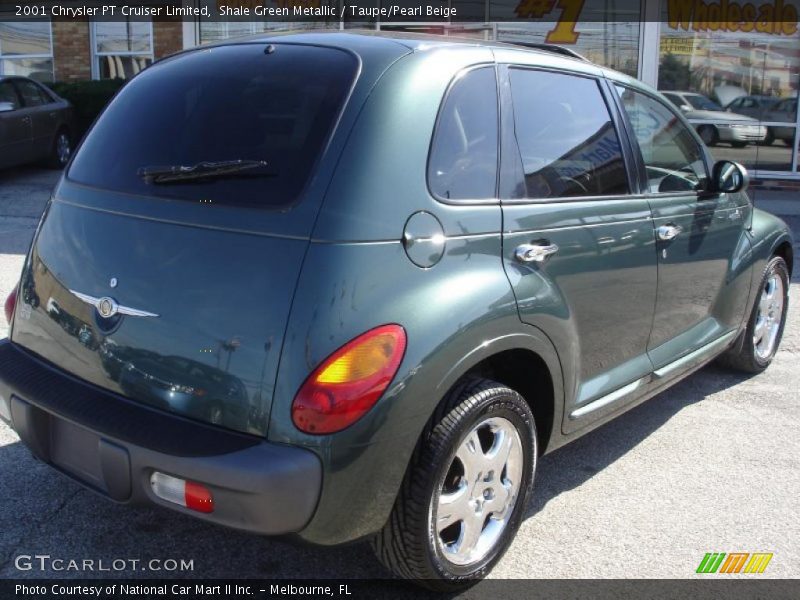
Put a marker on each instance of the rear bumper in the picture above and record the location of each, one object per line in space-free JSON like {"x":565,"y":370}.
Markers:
{"x":113,"y":445}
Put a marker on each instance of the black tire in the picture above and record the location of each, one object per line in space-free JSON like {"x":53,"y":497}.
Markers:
{"x":58,"y":159}
{"x":769,"y":139}
{"x":408,"y":544}
{"x":709,"y":134}
{"x":742,"y":356}
{"x":738,"y":144}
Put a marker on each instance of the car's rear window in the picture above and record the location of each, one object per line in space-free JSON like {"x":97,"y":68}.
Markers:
{"x":251,"y":102}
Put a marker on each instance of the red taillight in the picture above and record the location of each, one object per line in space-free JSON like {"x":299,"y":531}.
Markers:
{"x":11,"y":303}
{"x":350,"y":381}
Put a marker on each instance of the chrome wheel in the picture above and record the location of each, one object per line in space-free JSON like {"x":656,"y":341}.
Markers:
{"x":479,"y":492}
{"x":769,"y":316}
{"x":63,"y":148}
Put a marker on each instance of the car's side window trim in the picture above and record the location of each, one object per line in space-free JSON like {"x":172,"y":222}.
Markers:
{"x":637,"y":166}
{"x":442,"y":105}
{"x":638,"y":151}
{"x":511,"y":133}
{"x":571,"y":199}
{"x":629,"y":154}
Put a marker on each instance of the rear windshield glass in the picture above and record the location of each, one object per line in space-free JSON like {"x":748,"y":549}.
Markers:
{"x":273,"y":110}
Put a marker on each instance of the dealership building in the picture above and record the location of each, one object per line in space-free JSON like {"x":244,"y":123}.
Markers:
{"x":734,"y":56}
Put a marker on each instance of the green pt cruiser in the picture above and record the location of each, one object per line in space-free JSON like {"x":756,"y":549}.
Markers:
{"x":351,"y":286}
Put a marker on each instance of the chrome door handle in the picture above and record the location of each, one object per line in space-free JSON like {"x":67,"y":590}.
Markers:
{"x":668,"y":232}
{"x":535,"y":252}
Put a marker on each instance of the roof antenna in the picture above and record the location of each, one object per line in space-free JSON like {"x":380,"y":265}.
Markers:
{"x":269,"y":49}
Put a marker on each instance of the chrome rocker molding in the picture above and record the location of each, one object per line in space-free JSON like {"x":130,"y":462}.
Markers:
{"x":695,"y":357}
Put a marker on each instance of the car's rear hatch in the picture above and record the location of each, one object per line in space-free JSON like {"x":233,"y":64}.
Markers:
{"x":177,"y":294}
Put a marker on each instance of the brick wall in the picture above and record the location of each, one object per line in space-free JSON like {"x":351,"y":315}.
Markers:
{"x":168,"y":37}
{"x":72,"y":55}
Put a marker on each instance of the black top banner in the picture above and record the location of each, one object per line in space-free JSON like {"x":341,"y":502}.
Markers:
{"x":759,"y":16}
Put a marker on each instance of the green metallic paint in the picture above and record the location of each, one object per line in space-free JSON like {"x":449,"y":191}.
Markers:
{"x":452,"y":313}
{"x":381,"y":178}
{"x":594,"y":298}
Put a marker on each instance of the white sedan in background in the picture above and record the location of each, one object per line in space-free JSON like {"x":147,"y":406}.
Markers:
{"x":714,"y":124}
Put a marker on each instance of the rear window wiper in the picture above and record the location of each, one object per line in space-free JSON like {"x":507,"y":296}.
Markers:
{"x":202,"y":170}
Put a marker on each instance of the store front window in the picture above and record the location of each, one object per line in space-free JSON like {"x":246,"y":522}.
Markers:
{"x":604,"y":31}
{"x":122,"y":48}
{"x":215,"y":31}
{"x":26,"y":48}
{"x":737,"y":84}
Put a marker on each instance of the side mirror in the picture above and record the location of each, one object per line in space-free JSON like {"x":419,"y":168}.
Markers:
{"x":7,"y":106}
{"x":728,"y":177}
{"x":685,"y":107}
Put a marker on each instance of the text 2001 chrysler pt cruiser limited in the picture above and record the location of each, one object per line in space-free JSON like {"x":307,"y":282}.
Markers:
{"x":349,"y":286}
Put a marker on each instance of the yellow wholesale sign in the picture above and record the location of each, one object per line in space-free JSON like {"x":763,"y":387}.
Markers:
{"x":775,"y":17}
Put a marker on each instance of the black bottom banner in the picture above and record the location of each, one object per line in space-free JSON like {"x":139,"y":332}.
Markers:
{"x":611,"y":589}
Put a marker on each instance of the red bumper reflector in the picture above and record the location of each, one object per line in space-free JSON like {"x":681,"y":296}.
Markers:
{"x":198,"y":497}
{"x":194,"y":496}
{"x":11,"y":303}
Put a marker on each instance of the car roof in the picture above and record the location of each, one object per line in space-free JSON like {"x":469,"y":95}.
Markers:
{"x":17,"y":78}
{"x":354,"y":40}
{"x":385,"y":44}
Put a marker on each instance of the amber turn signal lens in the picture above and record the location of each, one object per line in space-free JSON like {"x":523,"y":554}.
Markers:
{"x":350,"y":381}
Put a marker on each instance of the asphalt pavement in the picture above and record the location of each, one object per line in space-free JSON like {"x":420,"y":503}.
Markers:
{"x":711,"y":465}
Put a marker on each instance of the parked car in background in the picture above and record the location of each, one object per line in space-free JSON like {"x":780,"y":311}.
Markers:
{"x":769,"y":109}
{"x":311,"y":318}
{"x":35,"y":124}
{"x":752,"y":106}
{"x":713,"y":123}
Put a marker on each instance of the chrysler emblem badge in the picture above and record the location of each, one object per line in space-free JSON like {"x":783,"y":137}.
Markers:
{"x":107,"y":307}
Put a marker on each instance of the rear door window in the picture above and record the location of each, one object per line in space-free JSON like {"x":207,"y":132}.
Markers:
{"x":463,"y":159}
{"x":276,"y":110}
{"x":567,"y":141}
{"x":673,"y":158}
